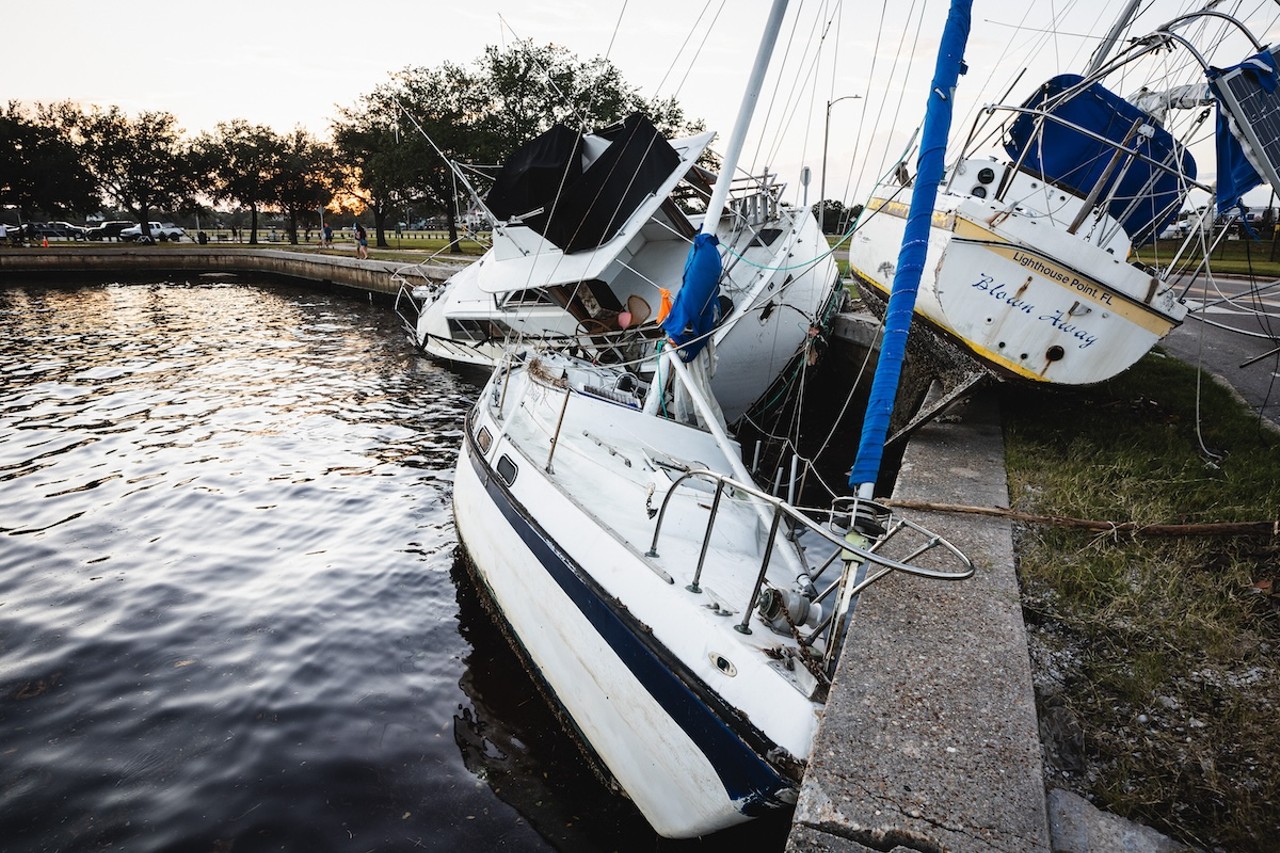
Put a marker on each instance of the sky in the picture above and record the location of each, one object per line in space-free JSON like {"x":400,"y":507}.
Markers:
{"x":287,"y":64}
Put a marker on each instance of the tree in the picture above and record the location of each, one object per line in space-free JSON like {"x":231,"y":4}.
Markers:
{"x":241,"y":162}
{"x":306,"y":177}
{"x":377,"y":167}
{"x":42,"y":169}
{"x":836,"y":218}
{"x":141,"y":164}
{"x":526,"y":88}
{"x":395,"y":138}
{"x":432,"y":111}
{"x":476,"y":115}
{"x":830,"y":211}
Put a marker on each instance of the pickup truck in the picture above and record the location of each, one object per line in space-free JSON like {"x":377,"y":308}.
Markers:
{"x":158,"y":232}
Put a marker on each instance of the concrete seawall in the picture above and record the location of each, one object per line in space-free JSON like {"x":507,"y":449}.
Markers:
{"x":930,"y":739}
{"x":367,"y":275}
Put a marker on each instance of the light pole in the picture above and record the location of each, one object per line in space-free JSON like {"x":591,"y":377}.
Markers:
{"x":822,"y":189}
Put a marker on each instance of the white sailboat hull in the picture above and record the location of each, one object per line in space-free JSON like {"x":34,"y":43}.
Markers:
{"x":662,"y":769}
{"x":697,"y":722}
{"x":1023,"y":298}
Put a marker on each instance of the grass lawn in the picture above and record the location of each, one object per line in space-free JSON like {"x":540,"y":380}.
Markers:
{"x":1157,"y":660}
{"x":1232,"y":257}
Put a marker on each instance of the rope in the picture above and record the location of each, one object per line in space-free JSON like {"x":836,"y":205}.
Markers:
{"x":1215,"y":528}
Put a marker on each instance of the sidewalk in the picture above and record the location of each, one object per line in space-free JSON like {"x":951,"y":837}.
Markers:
{"x":930,"y":739}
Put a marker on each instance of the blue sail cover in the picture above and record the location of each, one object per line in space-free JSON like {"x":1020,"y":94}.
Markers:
{"x":1236,"y":174}
{"x":693,"y":313}
{"x":1147,"y":198}
{"x":915,"y":242}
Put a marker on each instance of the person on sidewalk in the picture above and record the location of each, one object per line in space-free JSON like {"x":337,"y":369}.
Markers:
{"x":362,"y":242}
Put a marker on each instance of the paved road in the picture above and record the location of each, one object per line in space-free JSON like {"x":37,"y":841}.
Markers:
{"x":1235,"y":305}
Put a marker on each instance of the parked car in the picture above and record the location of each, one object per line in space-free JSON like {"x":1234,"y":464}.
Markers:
{"x":74,"y":232}
{"x":46,"y":231}
{"x":159,"y":231}
{"x":109,"y":230}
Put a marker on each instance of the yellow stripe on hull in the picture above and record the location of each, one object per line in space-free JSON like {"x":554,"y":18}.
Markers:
{"x":1014,"y":308}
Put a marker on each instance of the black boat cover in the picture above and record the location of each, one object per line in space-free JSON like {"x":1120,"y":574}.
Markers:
{"x":593,"y":203}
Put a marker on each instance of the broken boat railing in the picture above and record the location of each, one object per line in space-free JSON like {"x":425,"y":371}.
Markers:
{"x":870,"y":526}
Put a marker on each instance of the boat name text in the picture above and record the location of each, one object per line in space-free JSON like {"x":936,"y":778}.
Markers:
{"x":1059,"y":319}
{"x":1036,"y":265}
{"x":987,"y":284}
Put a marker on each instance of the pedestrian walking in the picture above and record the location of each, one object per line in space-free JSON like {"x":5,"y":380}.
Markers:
{"x":362,"y":242}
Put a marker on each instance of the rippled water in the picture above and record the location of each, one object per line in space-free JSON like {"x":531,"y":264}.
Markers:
{"x":233,"y":615}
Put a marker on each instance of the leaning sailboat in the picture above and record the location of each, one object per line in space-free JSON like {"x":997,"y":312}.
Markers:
{"x":685,"y":621}
{"x":589,"y":240}
{"x":1032,"y":272}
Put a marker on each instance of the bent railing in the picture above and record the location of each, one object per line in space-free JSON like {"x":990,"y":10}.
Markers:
{"x":865,"y":528}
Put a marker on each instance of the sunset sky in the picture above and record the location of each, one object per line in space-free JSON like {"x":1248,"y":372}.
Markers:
{"x":288,"y":64}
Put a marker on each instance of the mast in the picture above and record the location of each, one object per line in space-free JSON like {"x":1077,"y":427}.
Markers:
{"x":743,"y":123}
{"x":930,"y":165}
{"x":670,"y":363}
{"x":1113,"y":35}
{"x":715,"y":207}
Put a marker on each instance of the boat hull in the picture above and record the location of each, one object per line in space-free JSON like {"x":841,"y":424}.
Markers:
{"x":776,"y":298}
{"x":1019,"y":311}
{"x":672,"y":747}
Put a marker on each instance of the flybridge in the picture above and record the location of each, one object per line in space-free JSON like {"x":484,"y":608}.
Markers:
{"x":579,"y":190}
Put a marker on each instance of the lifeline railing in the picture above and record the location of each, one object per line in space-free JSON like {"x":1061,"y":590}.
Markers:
{"x":405,"y":297}
{"x":847,"y":548}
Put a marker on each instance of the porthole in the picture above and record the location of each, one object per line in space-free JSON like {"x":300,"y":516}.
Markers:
{"x":507,"y":469}
{"x":986,"y":175}
{"x":1055,"y":353}
{"x":484,"y":440}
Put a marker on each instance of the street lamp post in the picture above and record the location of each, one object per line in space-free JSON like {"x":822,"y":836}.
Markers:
{"x":822,"y":190}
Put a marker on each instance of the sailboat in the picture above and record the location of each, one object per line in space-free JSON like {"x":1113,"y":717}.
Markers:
{"x":685,"y":621}
{"x":1032,"y":273}
{"x":589,"y":240}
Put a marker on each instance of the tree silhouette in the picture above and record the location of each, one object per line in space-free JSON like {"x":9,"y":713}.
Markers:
{"x":42,"y":171}
{"x":140,"y":163}
{"x":241,"y":162}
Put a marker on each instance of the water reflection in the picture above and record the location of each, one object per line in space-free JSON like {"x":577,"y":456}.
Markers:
{"x":232,"y":612}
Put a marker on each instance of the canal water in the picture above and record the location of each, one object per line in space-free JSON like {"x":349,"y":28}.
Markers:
{"x":233,"y":611}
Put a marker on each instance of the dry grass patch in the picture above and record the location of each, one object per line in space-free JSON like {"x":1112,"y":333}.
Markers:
{"x":1157,"y":661}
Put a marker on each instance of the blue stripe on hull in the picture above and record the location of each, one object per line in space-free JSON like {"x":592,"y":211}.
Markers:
{"x":748,"y":780}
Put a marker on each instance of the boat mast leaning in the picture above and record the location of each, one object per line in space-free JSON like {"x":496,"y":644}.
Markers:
{"x":930,"y":166}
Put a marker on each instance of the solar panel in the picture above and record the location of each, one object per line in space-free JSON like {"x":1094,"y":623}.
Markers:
{"x":1256,"y":113}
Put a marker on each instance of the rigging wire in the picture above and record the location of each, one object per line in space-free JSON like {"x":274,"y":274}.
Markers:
{"x":890,"y":84}
{"x":790,"y":104}
{"x":680,"y":50}
{"x":698,"y":53}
